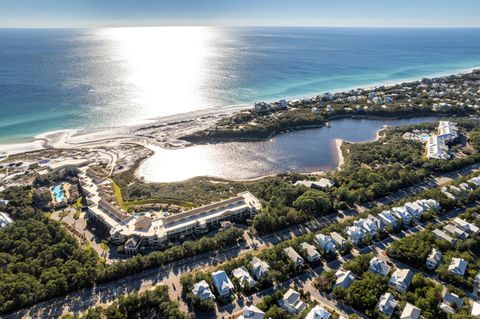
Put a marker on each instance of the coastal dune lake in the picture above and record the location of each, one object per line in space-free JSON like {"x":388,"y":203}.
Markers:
{"x":300,"y":151}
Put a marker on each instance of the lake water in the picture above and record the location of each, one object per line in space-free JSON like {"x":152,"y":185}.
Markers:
{"x":53,"y":79}
{"x":298,"y":151}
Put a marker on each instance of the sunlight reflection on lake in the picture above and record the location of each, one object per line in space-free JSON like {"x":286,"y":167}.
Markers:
{"x":300,"y":151}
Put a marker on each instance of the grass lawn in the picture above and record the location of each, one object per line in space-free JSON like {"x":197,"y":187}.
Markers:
{"x":163,"y":200}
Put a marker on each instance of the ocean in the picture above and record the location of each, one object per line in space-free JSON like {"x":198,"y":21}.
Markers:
{"x":53,"y":79}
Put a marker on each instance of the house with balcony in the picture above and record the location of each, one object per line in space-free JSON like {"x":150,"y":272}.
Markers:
{"x":202,"y":291}
{"x":387,"y":304}
{"x":356,"y":234}
{"x":294,"y":257}
{"x":312,"y":253}
{"x":338,"y":240}
{"x":455,"y":231}
{"x":434,"y":259}
{"x":402,"y":214}
{"x":371,"y":225}
{"x":415,"y":209}
{"x":259,"y":268}
{"x":325,"y":243}
{"x":466,"y":226}
{"x":244,"y":277}
{"x":458,"y":266}
{"x":222,"y":283}
{"x":387,"y":219}
{"x":379,"y":266}
{"x":292,"y":302}
{"x":401,"y":279}
{"x":344,"y":278}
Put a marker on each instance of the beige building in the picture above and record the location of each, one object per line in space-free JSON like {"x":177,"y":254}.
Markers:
{"x":153,"y":231}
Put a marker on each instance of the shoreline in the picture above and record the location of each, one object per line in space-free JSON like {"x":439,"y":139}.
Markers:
{"x":82,"y":137}
{"x":341,"y":158}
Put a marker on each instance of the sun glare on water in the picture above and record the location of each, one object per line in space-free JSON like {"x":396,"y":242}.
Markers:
{"x":165,"y":67}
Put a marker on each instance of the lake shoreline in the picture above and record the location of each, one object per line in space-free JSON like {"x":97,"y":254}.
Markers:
{"x":173,"y":128}
{"x":316,"y":151}
{"x":286,"y":130}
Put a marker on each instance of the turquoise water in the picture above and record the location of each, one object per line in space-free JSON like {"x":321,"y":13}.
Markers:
{"x":54,"y":79}
{"x":58,"y":193}
{"x":424,"y":137}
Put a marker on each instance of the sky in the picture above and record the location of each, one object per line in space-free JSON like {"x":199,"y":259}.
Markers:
{"x":374,"y":13}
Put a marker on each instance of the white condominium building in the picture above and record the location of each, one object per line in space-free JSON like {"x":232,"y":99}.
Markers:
{"x":436,"y":148}
{"x":154,"y":231}
{"x":447,"y":131}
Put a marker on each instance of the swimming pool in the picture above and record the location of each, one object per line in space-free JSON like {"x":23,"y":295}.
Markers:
{"x":424,"y":136}
{"x":58,"y":193}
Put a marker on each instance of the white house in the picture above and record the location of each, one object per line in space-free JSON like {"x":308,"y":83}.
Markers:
{"x":410,"y":312}
{"x":387,"y":218}
{"x":458,"y":266}
{"x":294,"y":256}
{"x":252,"y":312}
{"x":402,"y":214}
{"x":434,"y":259}
{"x":243,"y":276}
{"x":259,"y":268}
{"x":465,"y":187}
{"x":318,"y":312}
{"x":475,"y":310}
{"x":344,"y":278}
{"x":475,"y":181}
{"x":431,"y":204}
{"x":325,"y":243}
{"x":387,"y":304}
{"x":292,"y":302}
{"x":356,"y":234}
{"x":222,"y":283}
{"x":419,"y":207}
{"x":401,"y":279}
{"x":371,"y":225}
{"x":202,"y":291}
{"x":378,"y":266}
{"x":415,"y":209}
{"x":312,"y":254}
{"x":466,"y":226}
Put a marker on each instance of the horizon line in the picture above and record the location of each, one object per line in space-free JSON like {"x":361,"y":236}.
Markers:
{"x":242,"y":26}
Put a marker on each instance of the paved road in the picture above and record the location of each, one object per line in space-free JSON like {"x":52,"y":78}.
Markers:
{"x":170,"y":274}
{"x":429,"y":183}
{"x":302,"y":281}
